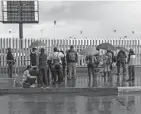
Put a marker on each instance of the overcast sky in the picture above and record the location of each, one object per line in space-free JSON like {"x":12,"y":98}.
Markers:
{"x":97,"y":19}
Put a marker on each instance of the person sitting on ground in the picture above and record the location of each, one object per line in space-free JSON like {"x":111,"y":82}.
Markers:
{"x":35,"y":72}
{"x":28,"y":79}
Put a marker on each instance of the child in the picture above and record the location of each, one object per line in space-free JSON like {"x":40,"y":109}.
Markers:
{"x":28,"y":79}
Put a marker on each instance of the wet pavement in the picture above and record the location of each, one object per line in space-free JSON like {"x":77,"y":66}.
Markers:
{"x":82,"y":80}
{"x":70,"y":104}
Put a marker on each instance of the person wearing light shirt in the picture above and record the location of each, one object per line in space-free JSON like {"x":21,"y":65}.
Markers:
{"x":131,"y":65}
{"x":27,"y":78}
{"x":56,"y":65}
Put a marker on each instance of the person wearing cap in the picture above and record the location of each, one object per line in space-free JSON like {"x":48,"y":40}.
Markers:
{"x":72,"y":59}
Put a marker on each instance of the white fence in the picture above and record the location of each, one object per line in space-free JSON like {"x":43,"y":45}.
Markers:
{"x":22,"y":55}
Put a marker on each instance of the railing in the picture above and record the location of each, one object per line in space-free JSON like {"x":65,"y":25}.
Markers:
{"x":23,"y":55}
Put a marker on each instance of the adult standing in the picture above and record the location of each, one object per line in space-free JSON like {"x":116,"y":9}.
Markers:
{"x":72,"y":59}
{"x":63,"y":63}
{"x":110,"y":60}
{"x":56,"y":66}
{"x":131,"y":65}
{"x":33,"y":57}
{"x":10,"y":62}
{"x":43,"y":68}
{"x":121,"y":61}
{"x":111,"y":55}
{"x":91,"y":62}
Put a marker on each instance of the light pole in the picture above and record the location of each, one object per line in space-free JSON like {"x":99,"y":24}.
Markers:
{"x":10,"y":32}
{"x":133,"y":32}
{"x":20,"y":25}
{"x":115,"y":33}
{"x":54,"y":29}
{"x":81,"y":33}
{"x":41,"y":32}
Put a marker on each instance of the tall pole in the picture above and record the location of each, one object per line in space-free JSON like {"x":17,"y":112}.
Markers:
{"x":133,"y":32}
{"x":114,"y":33}
{"x":55,"y":29}
{"x":42,"y":32}
{"x":21,"y":34}
{"x":81,"y":33}
{"x":21,"y":27}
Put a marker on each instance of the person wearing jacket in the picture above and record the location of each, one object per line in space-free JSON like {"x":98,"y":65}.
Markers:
{"x":42,"y":64}
{"x":72,"y":59}
{"x":91,"y":62}
{"x":56,"y":66}
{"x":33,"y":57}
{"x":10,"y":62}
{"x":63,"y":64}
{"x":131,"y":65}
{"x":29,"y":78}
{"x":121,"y":61}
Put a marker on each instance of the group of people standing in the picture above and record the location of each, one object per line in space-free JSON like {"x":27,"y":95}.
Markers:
{"x":106,"y":61}
{"x":59,"y":65}
{"x":54,"y":64}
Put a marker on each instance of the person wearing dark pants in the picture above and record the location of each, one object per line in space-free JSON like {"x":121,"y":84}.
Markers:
{"x":63,"y":59}
{"x":90,"y":59}
{"x":29,"y":77}
{"x":56,"y":66}
{"x":72,"y":59}
{"x":33,"y":57}
{"x":90,"y":71}
{"x":57,"y":72}
{"x":10,"y":62}
{"x":131,"y":65}
{"x":43,"y":68}
{"x":121,"y":61}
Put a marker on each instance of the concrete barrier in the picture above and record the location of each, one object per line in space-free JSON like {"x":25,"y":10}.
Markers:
{"x":85,"y":91}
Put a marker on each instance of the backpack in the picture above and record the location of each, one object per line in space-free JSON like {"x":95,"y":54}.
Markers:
{"x":90,"y":59}
{"x":56,"y":61}
{"x":114,"y":59}
{"x":72,"y":56}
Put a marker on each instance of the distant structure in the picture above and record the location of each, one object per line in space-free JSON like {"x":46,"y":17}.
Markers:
{"x":20,"y":12}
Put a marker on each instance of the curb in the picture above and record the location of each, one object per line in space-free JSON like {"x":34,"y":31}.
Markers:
{"x":81,"y":91}
{"x":86,"y":91}
{"x":129,"y":89}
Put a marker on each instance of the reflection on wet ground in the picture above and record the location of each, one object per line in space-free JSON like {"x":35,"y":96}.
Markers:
{"x":69,"y":104}
{"x":83,"y":81}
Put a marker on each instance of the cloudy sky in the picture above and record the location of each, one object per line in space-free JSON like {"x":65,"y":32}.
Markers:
{"x":95,"y":19}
